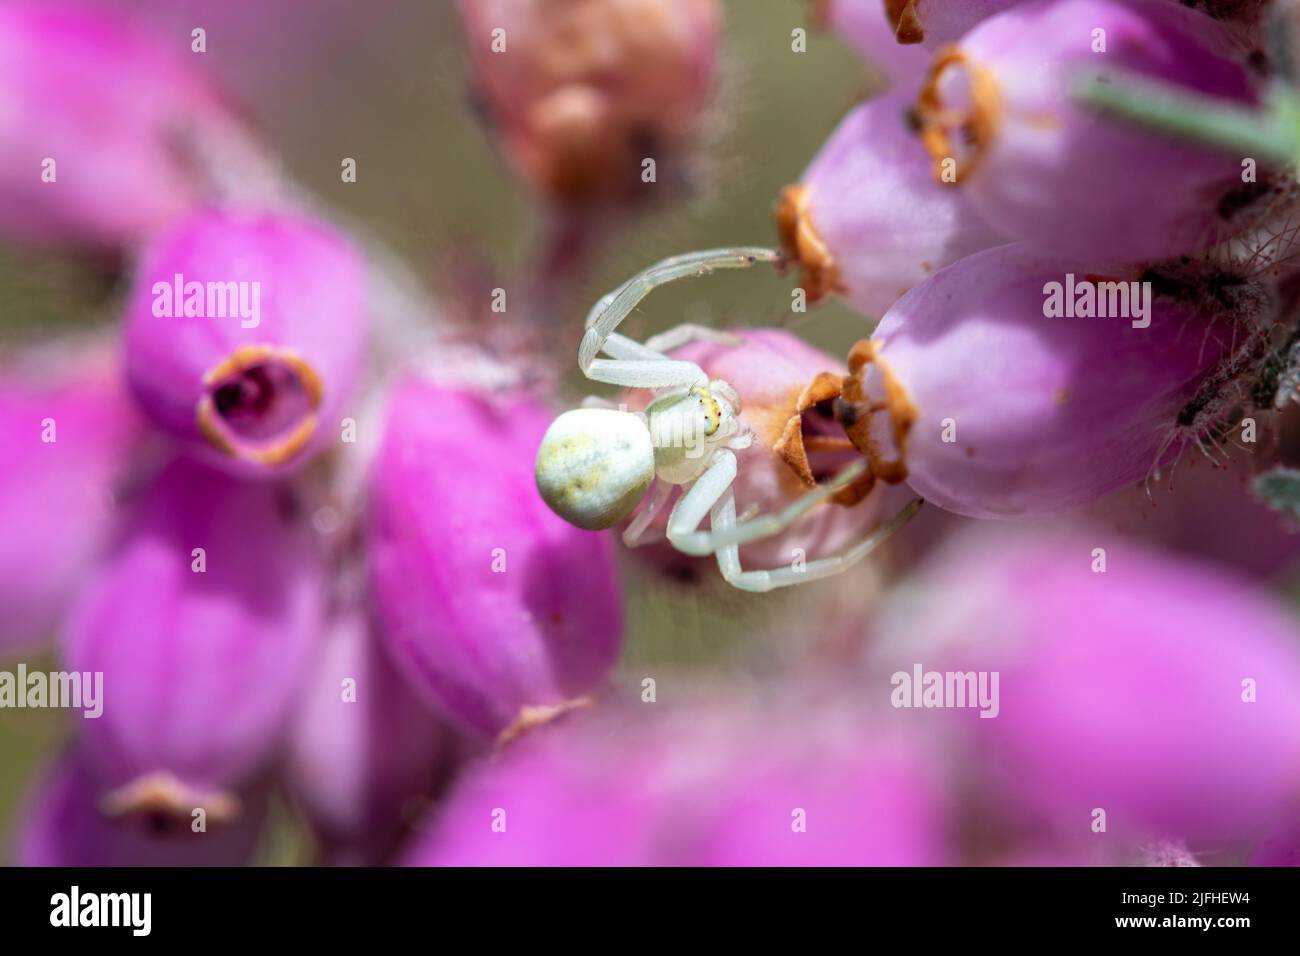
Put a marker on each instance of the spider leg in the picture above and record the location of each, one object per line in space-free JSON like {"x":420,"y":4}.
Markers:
{"x":686,"y":333}
{"x":684,"y":522}
{"x":646,"y":373}
{"x":611,"y":309}
{"x":764,"y":526}
{"x":723,"y":518}
{"x":634,"y":534}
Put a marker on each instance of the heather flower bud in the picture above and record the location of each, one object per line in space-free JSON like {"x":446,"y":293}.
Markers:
{"x":67,"y":428}
{"x":1010,"y":384}
{"x":202,"y":621}
{"x":492,"y":606}
{"x":998,"y":117}
{"x":787,"y":389}
{"x":65,"y":825}
{"x":106,"y":134}
{"x":1139,"y":695}
{"x":867,"y":219}
{"x":245,"y":333}
{"x":702,"y":786}
{"x":363,"y":750}
{"x":582,"y":94}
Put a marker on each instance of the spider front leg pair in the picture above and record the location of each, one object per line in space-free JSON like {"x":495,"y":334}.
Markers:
{"x":596,"y":464}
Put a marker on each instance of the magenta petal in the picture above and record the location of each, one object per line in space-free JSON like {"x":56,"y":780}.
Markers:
{"x":200,"y":668}
{"x":1044,"y":169}
{"x":702,"y":786}
{"x":935,"y":23}
{"x":126,"y":118}
{"x":63,"y":826}
{"x":864,"y":26}
{"x":67,"y":427}
{"x":364,"y":751}
{"x":488,"y":601}
{"x":1019,"y":412}
{"x":245,"y":335}
{"x":871,"y":220}
{"x":1164,"y":692}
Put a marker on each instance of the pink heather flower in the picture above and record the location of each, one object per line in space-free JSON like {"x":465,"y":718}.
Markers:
{"x":491,"y":605}
{"x":997,"y":114}
{"x":580,"y":94}
{"x":867,"y":218}
{"x":105,"y":134}
{"x":64,"y":825}
{"x":700,"y":786}
{"x":363,"y":750}
{"x":1164,"y":692}
{"x":865,"y":26}
{"x":67,"y":428}
{"x":990,"y":408}
{"x":937,"y":22}
{"x":203,"y":621}
{"x":245,"y":334}
{"x":787,"y":389}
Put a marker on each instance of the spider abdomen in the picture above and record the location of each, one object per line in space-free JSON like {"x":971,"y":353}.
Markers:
{"x":594,"y":465}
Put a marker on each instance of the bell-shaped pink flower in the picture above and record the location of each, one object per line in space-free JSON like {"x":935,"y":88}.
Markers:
{"x":996,"y":389}
{"x":999,"y":118}
{"x":67,"y":429}
{"x":203,"y":622}
{"x":701,"y":785}
{"x":107,"y":133}
{"x":937,"y":22}
{"x":580,"y":95}
{"x":1163,"y":693}
{"x":364,"y":752}
{"x":491,"y":605}
{"x":868,"y":220}
{"x":787,"y":389}
{"x":65,"y":825}
{"x":246,"y":333}
{"x":865,"y":26}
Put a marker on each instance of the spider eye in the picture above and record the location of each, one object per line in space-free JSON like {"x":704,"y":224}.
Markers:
{"x":594,"y":465}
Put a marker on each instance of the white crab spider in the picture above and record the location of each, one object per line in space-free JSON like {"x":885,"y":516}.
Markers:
{"x":595,"y":464}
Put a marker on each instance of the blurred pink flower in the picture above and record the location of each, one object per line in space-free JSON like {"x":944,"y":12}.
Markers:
{"x":490,"y":604}
{"x":67,"y":429}
{"x":701,"y":785}
{"x":1161,"y":692}
{"x":106,"y":133}
{"x":363,"y":750}
{"x":63,"y":825}
{"x":203,"y":621}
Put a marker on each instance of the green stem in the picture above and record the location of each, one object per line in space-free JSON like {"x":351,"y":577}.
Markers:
{"x":1272,"y":134}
